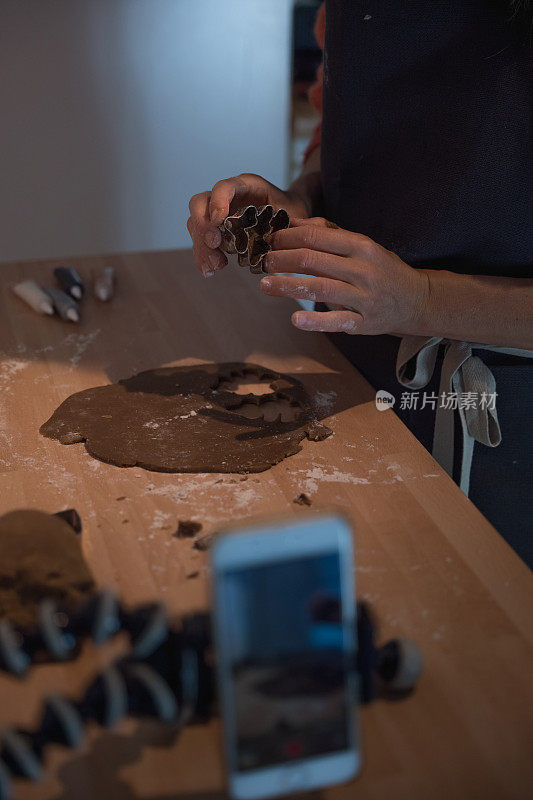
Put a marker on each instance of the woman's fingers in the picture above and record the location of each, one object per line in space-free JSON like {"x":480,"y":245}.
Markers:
{"x":199,"y":224}
{"x":330,"y":321}
{"x":222,"y":194}
{"x":321,"y":222}
{"x":206,"y":237}
{"x":313,"y":235}
{"x":200,"y":221}
{"x":207,"y":259}
{"x":322,"y":290}
{"x":248,"y":188}
{"x":203,"y":257}
{"x":310,"y":262}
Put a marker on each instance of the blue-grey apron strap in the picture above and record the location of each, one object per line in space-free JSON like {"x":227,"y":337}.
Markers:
{"x":479,"y":422}
{"x":465,"y":376}
{"x":424,"y":350}
{"x":456,"y":354}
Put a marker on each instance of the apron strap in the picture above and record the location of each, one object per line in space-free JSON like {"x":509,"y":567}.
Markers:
{"x":472,"y":389}
{"x":424,"y":351}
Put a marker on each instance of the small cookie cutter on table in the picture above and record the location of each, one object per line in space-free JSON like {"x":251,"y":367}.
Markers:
{"x":248,"y":233}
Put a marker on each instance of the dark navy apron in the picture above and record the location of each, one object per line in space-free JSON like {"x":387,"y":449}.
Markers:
{"x":427,"y":148}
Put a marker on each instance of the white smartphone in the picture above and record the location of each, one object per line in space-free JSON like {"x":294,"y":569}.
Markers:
{"x":284,"y":623}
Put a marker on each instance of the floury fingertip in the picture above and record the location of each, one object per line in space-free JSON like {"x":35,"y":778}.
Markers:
{"x":299,"y":320}
{"x":213,"y":239}
{"x":217,"y":216}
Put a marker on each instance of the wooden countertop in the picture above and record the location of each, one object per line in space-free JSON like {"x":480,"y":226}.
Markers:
{"x":431,"y":566}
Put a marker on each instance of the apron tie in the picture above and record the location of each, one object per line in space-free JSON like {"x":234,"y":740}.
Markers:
{"x":466,"y":375}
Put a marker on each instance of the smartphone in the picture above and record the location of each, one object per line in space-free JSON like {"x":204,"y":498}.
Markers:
{"x":284,"y":623}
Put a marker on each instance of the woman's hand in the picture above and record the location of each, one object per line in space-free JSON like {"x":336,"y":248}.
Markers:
{"x":209,"y":209}
{"x":378,"y":292}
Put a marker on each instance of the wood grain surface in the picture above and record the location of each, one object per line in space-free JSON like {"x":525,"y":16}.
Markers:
{"x":431,"y":566}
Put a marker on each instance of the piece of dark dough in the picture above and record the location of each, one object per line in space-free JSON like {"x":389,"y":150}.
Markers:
{"x":181,"y":419}
{"x":204,"y":542}
{"x":187,"y":529}
{"x":71,"y":516}
{"x":40,"y":557}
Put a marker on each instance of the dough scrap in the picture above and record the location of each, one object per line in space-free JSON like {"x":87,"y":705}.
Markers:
{"x":302,"y":500}
{"x":187,"y":529}
{"x":40,"y":557}
{"x":182,"y":419}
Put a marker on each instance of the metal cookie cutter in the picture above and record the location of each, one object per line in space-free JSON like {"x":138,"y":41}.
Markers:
{"x":249,"y":232}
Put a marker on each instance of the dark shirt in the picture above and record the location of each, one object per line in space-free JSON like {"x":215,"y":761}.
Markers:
{"x":426,"y":131}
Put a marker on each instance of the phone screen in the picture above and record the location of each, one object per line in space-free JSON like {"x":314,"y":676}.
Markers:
{"x":288,"y":660}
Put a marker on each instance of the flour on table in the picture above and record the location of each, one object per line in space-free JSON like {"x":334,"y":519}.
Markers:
{"x":9,"y":369}
{"x":160,"y":518}
{"x":80,"y":341}
{"x":229,"y":495}
{"x":317,"y":475}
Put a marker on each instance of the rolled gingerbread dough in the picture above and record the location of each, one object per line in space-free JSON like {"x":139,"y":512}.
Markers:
{"x":183,"y":419}
{"x":40,"y":557}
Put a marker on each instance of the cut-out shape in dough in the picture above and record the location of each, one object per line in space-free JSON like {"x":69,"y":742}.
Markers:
{"x":246,"y":384}
{"x":182,"y":419}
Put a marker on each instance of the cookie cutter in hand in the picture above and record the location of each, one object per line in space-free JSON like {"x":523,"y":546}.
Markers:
{"x":249,"y":233}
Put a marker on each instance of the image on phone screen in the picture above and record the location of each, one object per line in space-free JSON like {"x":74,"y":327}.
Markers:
{"x":288,"y":660}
